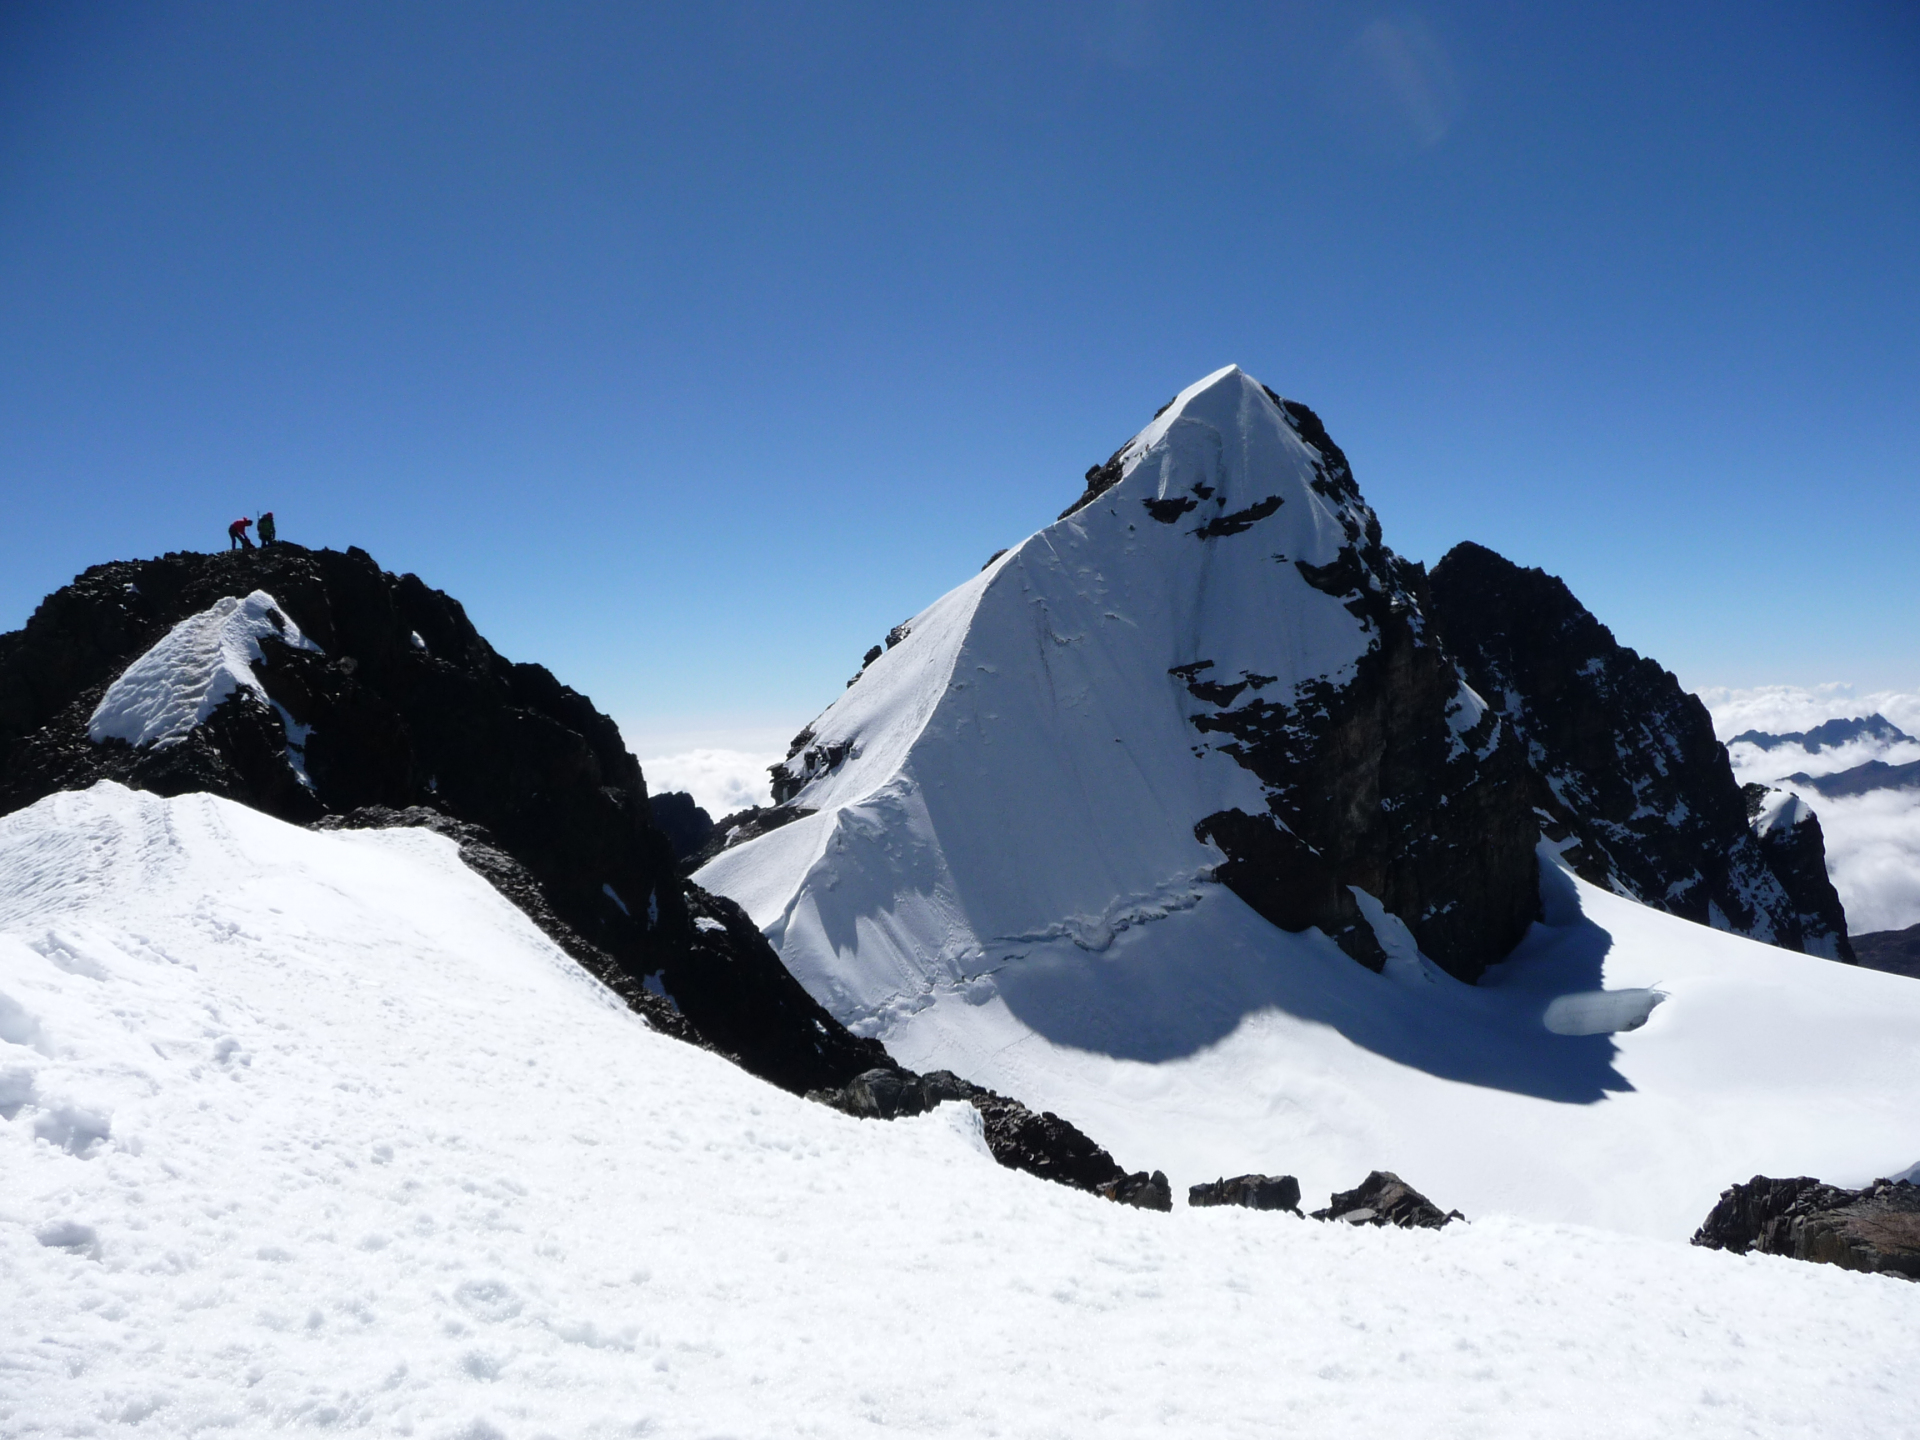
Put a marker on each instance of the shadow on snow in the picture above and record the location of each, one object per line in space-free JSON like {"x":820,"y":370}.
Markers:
{"x":1148,"y":1000}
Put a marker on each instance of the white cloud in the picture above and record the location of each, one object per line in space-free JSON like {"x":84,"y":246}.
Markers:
{"x":720,"y":781}
{"x":1873,"y":840}
{"x":1783,"y":709}
{"x":1873,"y":855}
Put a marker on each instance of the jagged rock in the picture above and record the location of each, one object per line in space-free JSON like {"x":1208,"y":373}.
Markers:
{"x":1039,"y":1143}
{"x":1255,"y":1192}
{"x":1141,"y":1190}
{"x":1895,"y":951}
{"x":1383,"y":1198}
{"x":741,"y":826}
{"x":686,"y":825}
{"x":1625,"y":770}
{"x":1876,"y":1229}
{"x":1100,"y":479}
{"x":401,"y":704}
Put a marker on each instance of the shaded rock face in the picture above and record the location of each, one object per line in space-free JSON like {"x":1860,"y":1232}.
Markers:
{"x":1390,"y":781}
{"x":1254,"y":1192}
{"x":1625,"y":770}
{"x":1383,"y":1198}
{"x":1895,"y":951}
{"x":685,"y":824}
{"x":482,"y":855}
{"x":1875,"y":1230}
{"x":403,"y":705}
{"x":1039,"y":1143}
{"x":740,"y":827}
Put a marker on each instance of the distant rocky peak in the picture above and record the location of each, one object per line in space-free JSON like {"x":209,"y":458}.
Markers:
{"x":1829,"y":735}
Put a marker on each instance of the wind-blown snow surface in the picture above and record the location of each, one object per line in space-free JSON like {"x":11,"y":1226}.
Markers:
{"x":315,"y":1129}
{"x":177,"y":684}
{"x":1002,"y":879}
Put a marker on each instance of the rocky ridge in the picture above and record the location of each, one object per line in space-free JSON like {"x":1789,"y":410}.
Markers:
{"x":1040,"y":1143}
{"x":373,"y":696}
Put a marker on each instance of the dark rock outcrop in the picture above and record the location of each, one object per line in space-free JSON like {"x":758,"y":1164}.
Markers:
{"x":1040,"y":1143}
{"x":1383,"y":1198}
{"x":686,"y":825}
{"x":1625,"y":770}
{"x":513,"y":880}
{"x":1895,"y":951}
{"x":1100,"y":479}
{"x":740,"y":827}
{"x":1255,"y":1192}
{"x":1142,"y":1191}
{"x":404,"y":706}
{"x":1876,"y":1229}
{"x":1382,"y":782}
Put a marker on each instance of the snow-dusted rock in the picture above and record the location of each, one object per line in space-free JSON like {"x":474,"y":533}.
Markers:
{"x":195,"y":667}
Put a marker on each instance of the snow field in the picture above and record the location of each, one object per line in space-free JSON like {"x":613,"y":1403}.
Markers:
{"x":364,"y":1151}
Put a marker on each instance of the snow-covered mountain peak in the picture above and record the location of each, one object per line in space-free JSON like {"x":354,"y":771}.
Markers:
{"x":1146,"y":706}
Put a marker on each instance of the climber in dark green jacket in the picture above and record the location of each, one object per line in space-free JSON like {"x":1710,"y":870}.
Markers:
{"x":267,"y":532}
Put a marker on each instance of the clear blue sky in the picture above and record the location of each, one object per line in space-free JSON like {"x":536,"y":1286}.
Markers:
{"x":694,"y":346}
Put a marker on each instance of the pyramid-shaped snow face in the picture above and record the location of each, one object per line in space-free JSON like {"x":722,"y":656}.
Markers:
{"x":1208,"y":673}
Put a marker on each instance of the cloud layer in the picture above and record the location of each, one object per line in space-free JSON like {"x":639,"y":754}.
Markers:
{"x":1783,"y":709}
{"x":1873,"y":840}
{"x":720,"y":781}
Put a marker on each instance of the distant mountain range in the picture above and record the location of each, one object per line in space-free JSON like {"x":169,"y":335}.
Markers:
{"x":1830,"y":735}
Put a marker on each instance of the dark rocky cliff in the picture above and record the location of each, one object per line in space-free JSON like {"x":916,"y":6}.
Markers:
{"x":1625,"y":769}
{"x":1383,"y":782}
{"x":409,"y":707}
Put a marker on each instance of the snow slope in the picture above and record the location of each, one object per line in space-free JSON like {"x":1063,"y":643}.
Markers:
{"x":1001,"y":878}
{"x":163,"y":695}
{"x":315,"y":1130}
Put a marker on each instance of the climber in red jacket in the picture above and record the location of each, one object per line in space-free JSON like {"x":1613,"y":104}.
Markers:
{"x":237,"y":534}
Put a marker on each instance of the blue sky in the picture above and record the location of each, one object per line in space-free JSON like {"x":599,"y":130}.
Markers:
{"x":693,"y":347}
